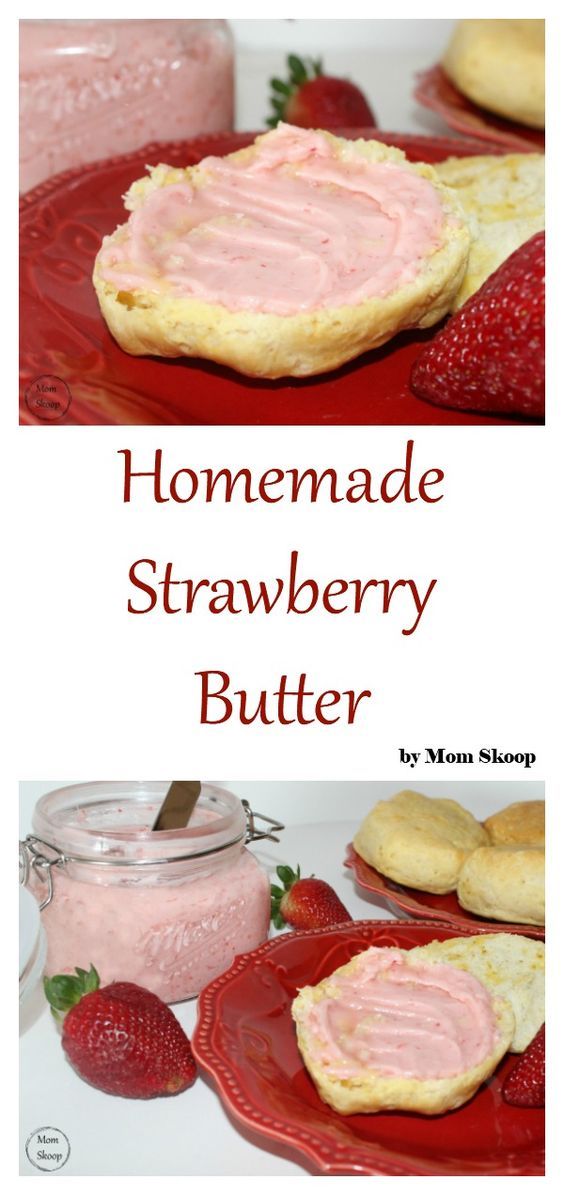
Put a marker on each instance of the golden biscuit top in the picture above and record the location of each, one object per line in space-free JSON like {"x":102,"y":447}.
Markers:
{"x":436,"y":818}
{"x":520,"y":824}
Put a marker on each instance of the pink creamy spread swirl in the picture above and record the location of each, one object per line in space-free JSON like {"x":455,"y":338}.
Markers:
{"x":293,"y":229}
{"x":420,"y":1022}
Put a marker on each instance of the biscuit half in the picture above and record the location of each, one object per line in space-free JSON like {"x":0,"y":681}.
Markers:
{"x":510,"y":965}
{"x":419,"y":841}
{"x":372,"y":1089}
{"x":503,"y":200}
{"x":152,"y":319}
{"x":505,"y":883}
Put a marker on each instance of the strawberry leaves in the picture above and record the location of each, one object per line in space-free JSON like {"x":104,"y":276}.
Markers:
{"x":288,"y":878}
{"x":310,"y":98}
{"x":306,"y":903}
{"x":299,"y":73}
{"x":64,"y":991}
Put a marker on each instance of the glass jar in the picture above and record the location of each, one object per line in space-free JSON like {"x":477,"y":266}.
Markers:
{"x":32,"y":946}
{"x":168,"y":909}
{"x":95,"y":89}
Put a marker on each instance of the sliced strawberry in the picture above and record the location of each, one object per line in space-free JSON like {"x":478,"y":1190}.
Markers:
{"x":121,"y":1038}
{"x":524,"y":1085}
{"x":306,"y":903}
{"x":311,"y":99}
{"x":490,"y":355}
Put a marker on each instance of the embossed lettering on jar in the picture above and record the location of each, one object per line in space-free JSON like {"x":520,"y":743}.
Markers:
{"x":167,"y":910}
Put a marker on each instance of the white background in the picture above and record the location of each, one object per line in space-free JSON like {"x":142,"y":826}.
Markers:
{"x":92,"y":691}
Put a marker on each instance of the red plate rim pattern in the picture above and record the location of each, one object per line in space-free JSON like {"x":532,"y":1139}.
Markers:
{"x":337,"y":1160}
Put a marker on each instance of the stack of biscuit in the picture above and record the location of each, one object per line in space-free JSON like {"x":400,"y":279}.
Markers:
{"x":434,"y":845}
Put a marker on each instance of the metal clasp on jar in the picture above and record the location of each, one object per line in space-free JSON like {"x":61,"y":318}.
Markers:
{"x":253,"y":832}
{"x":39,"y":858}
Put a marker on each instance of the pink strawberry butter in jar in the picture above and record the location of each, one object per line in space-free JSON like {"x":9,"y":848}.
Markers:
{"x":169,"y":909}
{"x":95,"y":89}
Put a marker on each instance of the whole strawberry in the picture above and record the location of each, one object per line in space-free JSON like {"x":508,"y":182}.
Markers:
{"x":524,"y":1085}
{"x":311,"y":99}
{"x":490,"y":355}
{"x":306,"y":903}
{"x":120,"y":1038}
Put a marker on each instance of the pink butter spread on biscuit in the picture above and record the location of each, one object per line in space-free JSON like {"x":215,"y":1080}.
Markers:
{"x":420,"y":1022}
{"x":294,"y":229}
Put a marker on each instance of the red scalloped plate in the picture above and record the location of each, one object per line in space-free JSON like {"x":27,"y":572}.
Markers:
{"x":245,"y":1039}
{"x":444,"y":907}
{"x":434,"y":90}
{"x":73,"y":372}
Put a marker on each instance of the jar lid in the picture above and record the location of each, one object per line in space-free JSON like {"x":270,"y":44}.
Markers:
{"x":110,"y":822}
